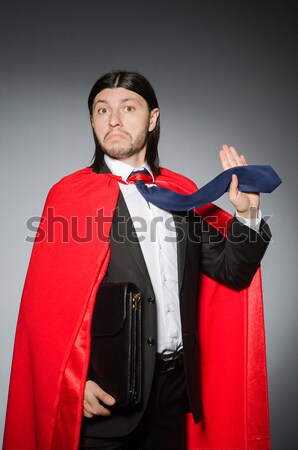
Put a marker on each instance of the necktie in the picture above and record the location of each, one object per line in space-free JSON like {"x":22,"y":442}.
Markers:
{"x":251,"y":179}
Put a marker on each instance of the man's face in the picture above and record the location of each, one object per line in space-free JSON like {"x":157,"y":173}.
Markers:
{"x":121,"y":121}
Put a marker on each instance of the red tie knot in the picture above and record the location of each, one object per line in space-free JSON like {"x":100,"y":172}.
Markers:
{"x":140,"y":175}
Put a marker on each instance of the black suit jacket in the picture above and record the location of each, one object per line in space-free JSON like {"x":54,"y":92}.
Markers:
{"x":232,"y":261}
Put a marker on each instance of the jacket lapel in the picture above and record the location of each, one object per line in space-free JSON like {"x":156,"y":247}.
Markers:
{"x":181,"y":229}
{"x":132,"y":241}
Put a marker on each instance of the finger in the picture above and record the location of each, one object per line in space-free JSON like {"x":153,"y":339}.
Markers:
{"x":236,"y":157}
{"x":243,"y":159}
{"x":93,"y":407}
{"x":103,"y":396}
{"x":92,"y":389}
{"x":229,"y":156}
{"x":224,"y":160}
{"x":100,"y":410}
{"x":87,"y":414}
{"x":226,"y":147}
{"x":87,"y":410}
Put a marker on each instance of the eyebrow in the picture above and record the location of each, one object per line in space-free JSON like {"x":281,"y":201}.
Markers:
{"x":128,"y":99}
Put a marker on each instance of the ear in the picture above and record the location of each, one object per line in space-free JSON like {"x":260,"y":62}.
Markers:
{"x":92,"y":123}
{"x":154,"y":114}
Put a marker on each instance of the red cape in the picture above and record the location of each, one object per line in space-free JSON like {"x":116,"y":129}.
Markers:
{"x":52,"y":341}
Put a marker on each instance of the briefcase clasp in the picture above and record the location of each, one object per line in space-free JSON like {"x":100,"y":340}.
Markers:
{"x":135,"y":300}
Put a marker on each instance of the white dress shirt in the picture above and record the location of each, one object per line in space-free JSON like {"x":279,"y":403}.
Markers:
{"x":155,"y":229}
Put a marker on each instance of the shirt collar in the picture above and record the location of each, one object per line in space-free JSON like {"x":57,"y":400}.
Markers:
{"x":123,"y":169}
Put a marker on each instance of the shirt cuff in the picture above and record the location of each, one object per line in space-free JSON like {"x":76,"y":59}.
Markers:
{"x":251,"y":223}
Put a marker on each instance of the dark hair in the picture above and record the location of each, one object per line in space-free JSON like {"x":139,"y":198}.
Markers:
{"x":135,"y":82}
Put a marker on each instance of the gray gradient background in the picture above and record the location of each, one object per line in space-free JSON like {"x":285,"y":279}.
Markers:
{"x":224,"y":72}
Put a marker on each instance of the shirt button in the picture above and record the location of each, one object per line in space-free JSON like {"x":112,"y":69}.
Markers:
{"x":151,"y":300}
{"x":151,"y":341}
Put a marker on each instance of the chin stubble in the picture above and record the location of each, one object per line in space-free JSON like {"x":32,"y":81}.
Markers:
{"x":119,"y":152}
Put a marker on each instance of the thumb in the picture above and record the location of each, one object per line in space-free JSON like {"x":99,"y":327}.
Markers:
{"x":234,"y":185}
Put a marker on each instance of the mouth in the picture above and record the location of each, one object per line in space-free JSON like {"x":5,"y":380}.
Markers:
{"x":115,"y":136}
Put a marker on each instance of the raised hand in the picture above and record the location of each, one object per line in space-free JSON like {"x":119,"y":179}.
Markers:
{"x":246,"y":204}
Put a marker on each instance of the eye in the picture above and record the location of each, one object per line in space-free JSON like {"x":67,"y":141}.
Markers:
{"x":102,"y":110}
{"x":128,"y":108}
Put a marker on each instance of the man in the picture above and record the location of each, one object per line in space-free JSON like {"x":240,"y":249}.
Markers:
{"x":53,"y":339}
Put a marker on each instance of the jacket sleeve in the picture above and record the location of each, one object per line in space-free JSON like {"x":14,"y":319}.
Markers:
{"x":233,"y":260}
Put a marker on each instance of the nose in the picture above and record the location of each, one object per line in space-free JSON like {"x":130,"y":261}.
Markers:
{"x":115,"y":120}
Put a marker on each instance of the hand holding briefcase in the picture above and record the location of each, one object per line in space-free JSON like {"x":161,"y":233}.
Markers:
{"x":115,"y":359}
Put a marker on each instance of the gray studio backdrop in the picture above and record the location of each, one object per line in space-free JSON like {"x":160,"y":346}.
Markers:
{"x":224,"y":72}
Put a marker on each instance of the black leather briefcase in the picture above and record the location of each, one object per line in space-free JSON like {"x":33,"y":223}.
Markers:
{"x":115,"y":360}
